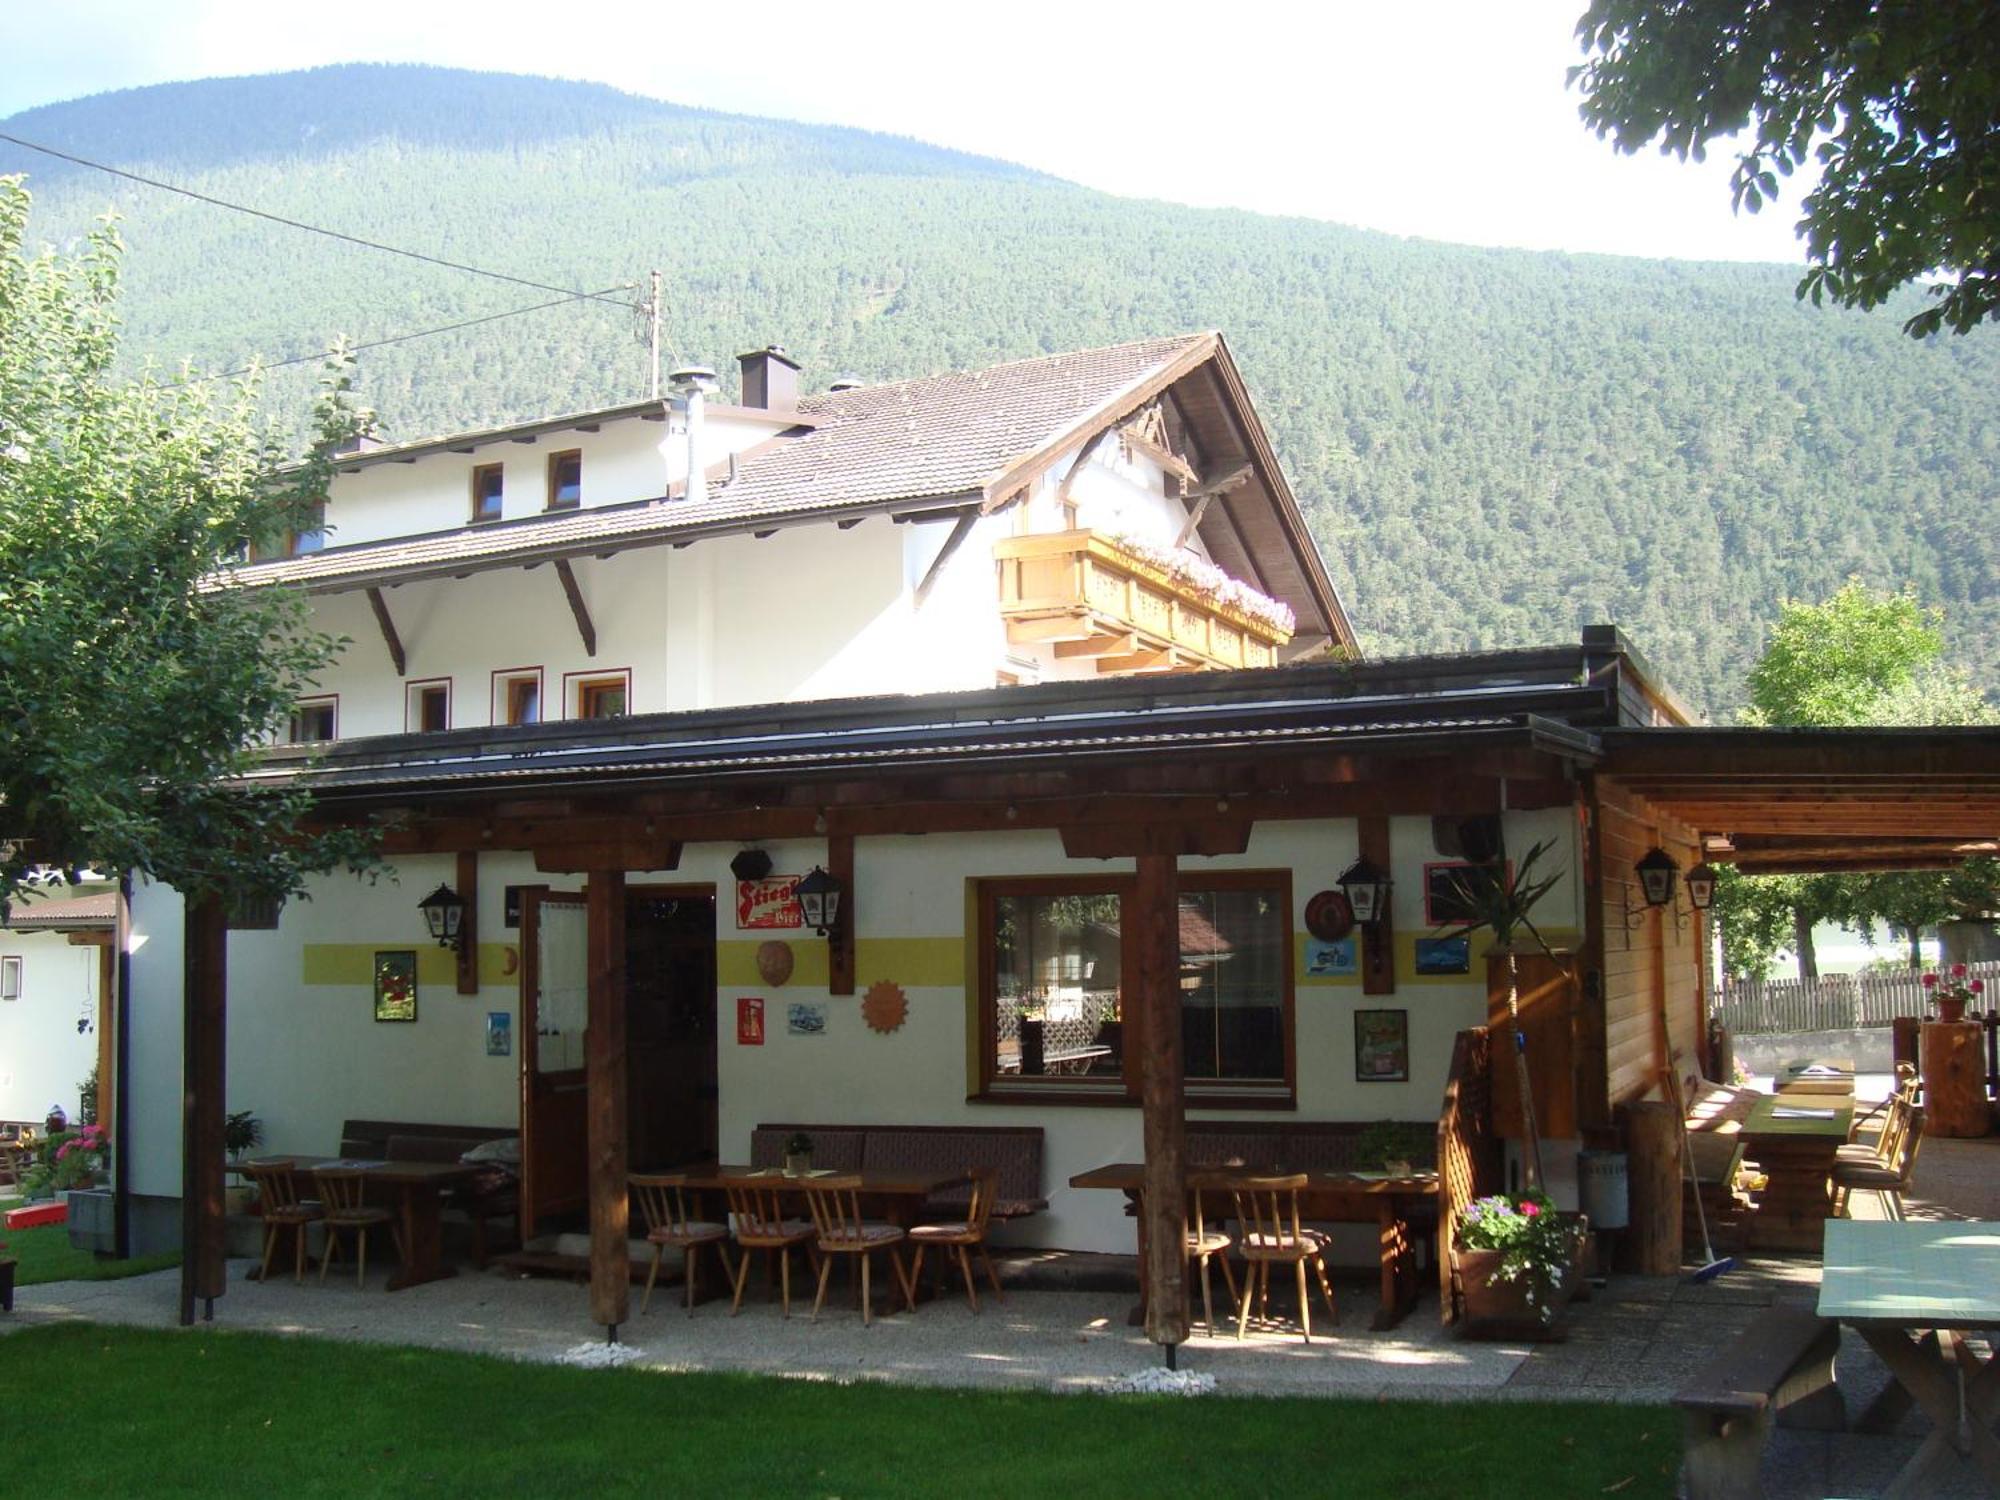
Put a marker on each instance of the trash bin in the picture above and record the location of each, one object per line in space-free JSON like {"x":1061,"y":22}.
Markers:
{"x":1603,"y":1189}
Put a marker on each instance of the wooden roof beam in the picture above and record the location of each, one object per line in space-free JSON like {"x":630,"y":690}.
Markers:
{"x":388,"y":626}
{"x":959,"y":532}
{"x":579,"y":611}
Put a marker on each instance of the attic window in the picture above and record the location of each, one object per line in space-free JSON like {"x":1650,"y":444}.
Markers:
{"x":566,"y":479}
{"x":486,"y":490}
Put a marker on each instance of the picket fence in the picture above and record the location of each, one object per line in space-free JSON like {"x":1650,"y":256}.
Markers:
{"x":1835,"y":1002}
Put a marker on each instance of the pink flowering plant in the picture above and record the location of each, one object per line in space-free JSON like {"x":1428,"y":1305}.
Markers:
{"x":1953,"y":985}
{"x":1537,"y":1245}
{"x":70,"y":1160}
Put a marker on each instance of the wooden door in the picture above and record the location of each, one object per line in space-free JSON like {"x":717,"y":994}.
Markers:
{"x":555,"y":1007}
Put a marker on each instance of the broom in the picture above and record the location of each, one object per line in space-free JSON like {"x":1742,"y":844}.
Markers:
{"x":1715,"y":1265}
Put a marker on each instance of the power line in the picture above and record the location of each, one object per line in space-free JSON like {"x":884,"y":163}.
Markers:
{"x":400,"y":338}
{"x":434,"y":260}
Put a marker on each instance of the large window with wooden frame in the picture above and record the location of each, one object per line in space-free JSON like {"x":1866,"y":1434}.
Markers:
{"x":1057,"y":1014}
{"x":487,"y":487}
{"x":566,"y":479}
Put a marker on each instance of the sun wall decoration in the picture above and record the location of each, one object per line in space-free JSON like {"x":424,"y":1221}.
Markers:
{"x":885,"y":1007}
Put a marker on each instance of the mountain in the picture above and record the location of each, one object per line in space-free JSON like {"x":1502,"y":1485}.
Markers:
{"x":1493,"y":447}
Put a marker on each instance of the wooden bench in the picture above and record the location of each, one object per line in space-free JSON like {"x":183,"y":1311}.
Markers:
{"x":1782,"y":1366}
{"x":1013,"y":1153}
{"x":404,"y":1140}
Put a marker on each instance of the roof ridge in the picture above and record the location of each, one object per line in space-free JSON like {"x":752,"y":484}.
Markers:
{"x":1164,"y":341}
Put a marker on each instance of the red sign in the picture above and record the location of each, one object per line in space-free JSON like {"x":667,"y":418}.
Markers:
{"x":772,"y":902}
{"x":749,"y":1021}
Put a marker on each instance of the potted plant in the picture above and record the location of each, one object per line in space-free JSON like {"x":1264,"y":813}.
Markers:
{"x":1952,"y":992}
{"x":1384,"y":1144}
{"x":242,"y":1132}
{"x":798,"y":1154}
{"x":1517,"y":1263}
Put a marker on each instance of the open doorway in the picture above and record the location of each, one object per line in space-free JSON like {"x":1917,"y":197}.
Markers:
{"x":670,"y":1024}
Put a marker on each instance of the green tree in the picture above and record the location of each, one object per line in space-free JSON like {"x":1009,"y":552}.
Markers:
{"x":132,"y":689}
{"x":1895,"y":101}
{"x":1861,"y":657}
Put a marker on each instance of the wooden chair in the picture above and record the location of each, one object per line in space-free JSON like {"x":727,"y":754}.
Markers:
{"x":757,"y":1216}
{"x":836,"y":1210}
{"x":278,"y":1200}
{"x":1268,"y":1232}
{"x":1890,"y":1178}
{"x":1204,"y":1244}
{"x":664,"y":1200}
{"x":343,"y":1192}
{"x":963,"y":1237}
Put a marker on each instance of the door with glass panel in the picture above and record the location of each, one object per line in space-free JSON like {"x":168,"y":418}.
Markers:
{"x":555,"y":1007}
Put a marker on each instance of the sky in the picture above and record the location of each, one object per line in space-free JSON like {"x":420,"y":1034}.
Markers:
{"x":1445,"y":119}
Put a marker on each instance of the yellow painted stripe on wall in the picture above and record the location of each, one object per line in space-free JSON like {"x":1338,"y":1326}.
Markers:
{"x":354,"y":963}
{"x":911,"y":962}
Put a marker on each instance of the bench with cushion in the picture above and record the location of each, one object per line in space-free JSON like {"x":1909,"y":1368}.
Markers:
{"x":403,"y":1140}
{"x":1012,"y":1152}
{"x":1782,"y":1366}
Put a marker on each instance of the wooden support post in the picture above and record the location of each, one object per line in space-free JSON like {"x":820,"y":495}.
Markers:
{"x":468,"y":923}
{"x":604,"y":1077}
{"x":1653,"y":1146}
{"x":1155,"y":917}
{"x":840,"y":942}
{"x":204,"y":981}
{"x":1378,"y":959}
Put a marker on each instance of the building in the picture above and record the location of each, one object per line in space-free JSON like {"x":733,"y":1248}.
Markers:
{"x":960,"y":642}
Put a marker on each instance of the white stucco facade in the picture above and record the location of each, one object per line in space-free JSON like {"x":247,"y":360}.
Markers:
{"x":43,"y":1053}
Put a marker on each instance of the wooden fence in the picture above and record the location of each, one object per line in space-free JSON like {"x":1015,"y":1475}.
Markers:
{"x":1835,"y":1002}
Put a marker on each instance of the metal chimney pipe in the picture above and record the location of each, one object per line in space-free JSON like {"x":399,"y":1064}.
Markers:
{"x":691,"y":386}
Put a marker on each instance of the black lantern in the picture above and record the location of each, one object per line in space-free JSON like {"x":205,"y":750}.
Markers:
{"x":819,"y":900}
{"x":1656,"y":873}
{"x":1367,"y":891}
{"x":1701,"y":886}
{"x":444,"y":914}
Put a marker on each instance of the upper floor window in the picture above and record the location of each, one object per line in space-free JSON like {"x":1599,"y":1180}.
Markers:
{"x":311,"y":538}
{"x":313,"y":719}
{"x":427,"y":709}
{"x":566,"y":479}
{"x":603,"y":697}
{"x":1055,"y":1013}
{"x":10,"y":977}
{"x":486,"y":491}
{"x":517,"y":696}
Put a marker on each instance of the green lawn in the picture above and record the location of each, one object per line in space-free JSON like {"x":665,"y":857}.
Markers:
{"x":46,"y":1254}
{"x":127,"y":1411}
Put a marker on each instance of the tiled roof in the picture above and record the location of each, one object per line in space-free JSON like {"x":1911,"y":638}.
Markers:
{"x":939,"y":436}
{"x":100,"y":910}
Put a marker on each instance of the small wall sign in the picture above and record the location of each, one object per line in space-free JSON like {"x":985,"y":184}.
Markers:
{"x":749,"y":1021}
{"x":1382,"y":1046}
{"x":805,"y":1018}
{"x":396,"y":985}
{"x":1445,"y":955}
{"x":1335,"y":958}
{"x":499,"y":1033}
{"x":772,"y":902}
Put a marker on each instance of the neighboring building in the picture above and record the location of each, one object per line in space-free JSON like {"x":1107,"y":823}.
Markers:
{"x":952,"y":639}
{"x":56,"y":956}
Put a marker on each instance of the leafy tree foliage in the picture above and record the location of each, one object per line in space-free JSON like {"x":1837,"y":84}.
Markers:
{"x":130,"y":690}
{"x":1493,"y":448}
{"x":1861,"y":657}
{"x":1896,"y":102}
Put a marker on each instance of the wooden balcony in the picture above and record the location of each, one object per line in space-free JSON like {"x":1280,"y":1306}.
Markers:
{"x":1088,"y":596}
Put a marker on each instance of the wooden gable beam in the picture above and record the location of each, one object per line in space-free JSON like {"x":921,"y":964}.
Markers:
{"x":1233,"y":479}
{"x":1097,"y":645}
{"x":579,"y":611}
{"x":389,"y":637}
{"x":952,"y":543}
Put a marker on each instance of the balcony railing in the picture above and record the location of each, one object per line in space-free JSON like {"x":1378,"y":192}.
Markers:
{"x":1091,"y":596}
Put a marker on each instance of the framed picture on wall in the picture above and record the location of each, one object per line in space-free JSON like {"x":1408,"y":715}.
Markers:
{"x":1445,"y":955}
{"x":1381,"y":1046}
{"x":396,"y":985}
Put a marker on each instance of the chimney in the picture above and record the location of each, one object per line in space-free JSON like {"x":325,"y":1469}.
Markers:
{"x":690,"y":386}
{"x":770,"y":379}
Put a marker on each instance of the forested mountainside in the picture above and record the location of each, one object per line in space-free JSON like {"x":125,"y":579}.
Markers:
{"x":1493,"y":447}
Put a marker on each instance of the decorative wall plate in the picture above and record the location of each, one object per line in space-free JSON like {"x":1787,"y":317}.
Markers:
{"x":1329,"y":917}
{"x":774,"y":962}
{"x":885,"y":1007}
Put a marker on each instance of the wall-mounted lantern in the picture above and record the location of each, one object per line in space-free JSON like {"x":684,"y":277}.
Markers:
{"x":444,"y":914}
{"x":1367,"y":891}
{"x":1700,"y":882}
{"x":819,"y":901}
{"x":1657,"y":873}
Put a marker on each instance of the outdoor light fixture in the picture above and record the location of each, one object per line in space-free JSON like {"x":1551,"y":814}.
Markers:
{"x":1657,"y":873}
{"x":1700,"y":883}
{"x":444,"y":914}
{"x":819,"y":901}
{"x":1367,"y":891}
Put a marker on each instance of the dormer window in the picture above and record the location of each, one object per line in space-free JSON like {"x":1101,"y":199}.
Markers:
{"x":486,"y":491}
{"x":566,"y":479}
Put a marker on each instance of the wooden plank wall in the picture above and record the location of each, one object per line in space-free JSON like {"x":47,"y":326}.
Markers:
{"x":1659,"y":960}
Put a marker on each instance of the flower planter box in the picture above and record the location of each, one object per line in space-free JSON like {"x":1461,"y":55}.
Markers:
{"x":1496,"y":1309}
{"x":92,"y":1220}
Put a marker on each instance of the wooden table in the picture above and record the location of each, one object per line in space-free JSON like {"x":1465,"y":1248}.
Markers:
{"x":1339,"y":1197}
{"x":419,"y":1192}
{"x":1794,"y":1142}
{"x":1810,"y":1076}
{"x":1913,"y":1290}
